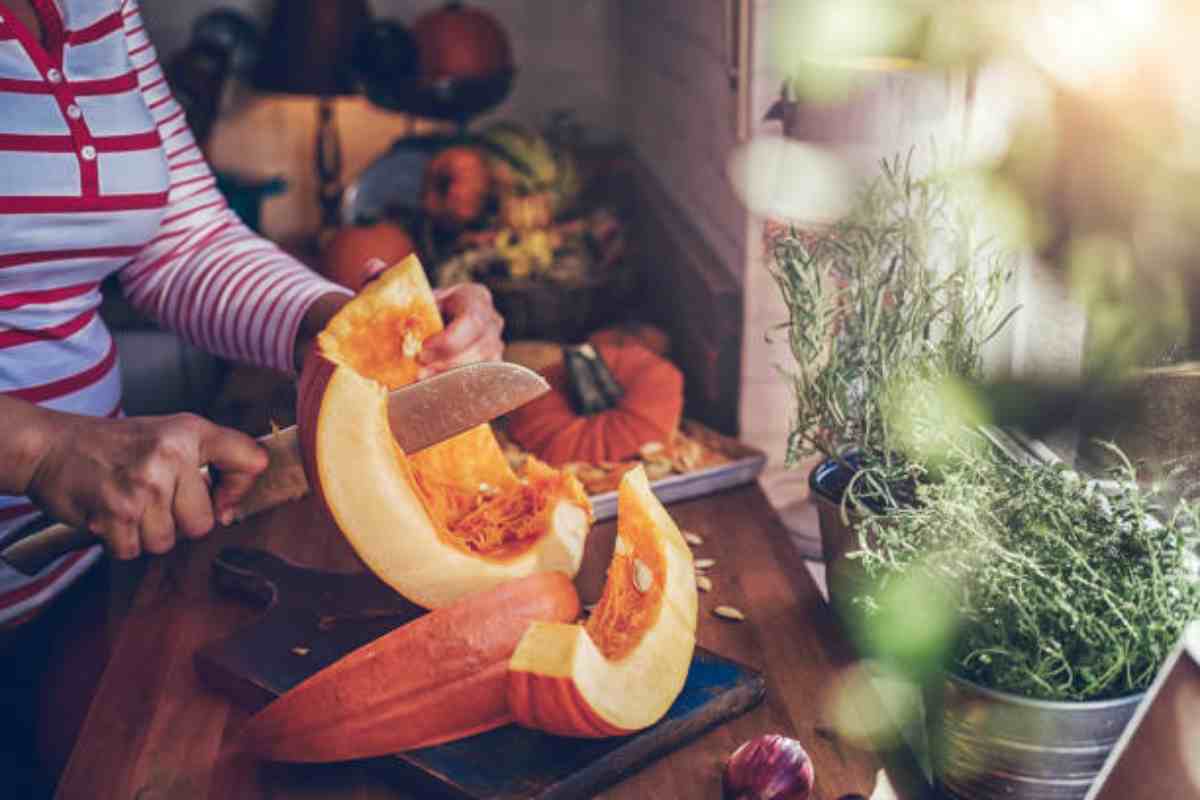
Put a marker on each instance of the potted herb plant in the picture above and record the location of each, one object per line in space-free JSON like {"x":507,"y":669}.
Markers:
{"x":897,"y":293}
{"x":1038,"y":606}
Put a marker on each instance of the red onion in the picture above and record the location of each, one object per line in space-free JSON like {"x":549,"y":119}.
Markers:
{"x":768,"y":767}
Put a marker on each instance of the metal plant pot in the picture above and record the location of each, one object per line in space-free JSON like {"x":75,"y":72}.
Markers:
{"x":993,"y":745}
{"x":843,"y":576}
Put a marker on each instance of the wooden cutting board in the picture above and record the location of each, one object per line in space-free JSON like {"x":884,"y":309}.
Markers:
{"x":314,"y":617}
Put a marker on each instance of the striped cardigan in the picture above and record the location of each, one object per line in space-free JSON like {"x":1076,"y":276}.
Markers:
{"x":99,"y":174}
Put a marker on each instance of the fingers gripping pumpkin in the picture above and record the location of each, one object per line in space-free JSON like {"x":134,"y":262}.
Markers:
{"x":443,"y":523}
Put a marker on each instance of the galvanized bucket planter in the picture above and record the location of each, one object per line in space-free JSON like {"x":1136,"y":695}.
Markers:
{"x":842,"y":575}
{"x":985,"y":745}
{"x":997,"y":746}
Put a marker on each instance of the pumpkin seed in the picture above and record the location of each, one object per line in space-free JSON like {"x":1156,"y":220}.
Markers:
{"x":693,"y":539}
{"x":651,"y":448}
{"x":301,"y":651}
{"x":412,"y":345}
{"x":729,"y":613}
{"x":622,"y":547}
{"x":703,"y":583}
{"x":705,"y":563}
{"x":643,"y":578}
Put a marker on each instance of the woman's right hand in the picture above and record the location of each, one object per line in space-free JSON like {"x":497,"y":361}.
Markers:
{"x":136,"y":483}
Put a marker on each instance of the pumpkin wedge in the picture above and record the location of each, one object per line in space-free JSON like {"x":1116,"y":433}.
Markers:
{"x":620,"y":671}
{"x":438,"y":678}
{"x":443,"y":523}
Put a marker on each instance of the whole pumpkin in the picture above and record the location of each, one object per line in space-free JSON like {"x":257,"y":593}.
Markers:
{"x":357,"y":253}
{"x":456,"y":186}
{"x":457,"y":41}
{"x":649,"y":410}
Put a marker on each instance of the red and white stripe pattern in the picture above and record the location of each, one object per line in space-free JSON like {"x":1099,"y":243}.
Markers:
{"x":99,"y":174}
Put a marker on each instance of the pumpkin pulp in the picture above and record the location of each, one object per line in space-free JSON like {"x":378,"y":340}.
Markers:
{"x":475,"y":500}
{"x":626,"y":611}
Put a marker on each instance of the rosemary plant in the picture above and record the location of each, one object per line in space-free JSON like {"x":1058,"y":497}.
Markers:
{"x":899,"y":292}
{"x":1061,"y":589}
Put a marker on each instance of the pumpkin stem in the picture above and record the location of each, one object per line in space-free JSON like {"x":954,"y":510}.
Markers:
{"x":592,"y":388}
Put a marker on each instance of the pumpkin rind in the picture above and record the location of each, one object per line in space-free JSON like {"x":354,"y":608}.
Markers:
{"x":650,"y":410}
{"x":620,"y":672}
{"x":438,"y":678}
{"x":403,"y":515}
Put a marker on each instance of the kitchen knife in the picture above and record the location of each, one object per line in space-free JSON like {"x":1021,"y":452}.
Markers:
{"x":421,"y":415}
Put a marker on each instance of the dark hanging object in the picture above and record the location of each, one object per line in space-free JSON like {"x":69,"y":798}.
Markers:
{"x":308,"y":50}
{"x":223,"y":42}
{"x":385,"y":54}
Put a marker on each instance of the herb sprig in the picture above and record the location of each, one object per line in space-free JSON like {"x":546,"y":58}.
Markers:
{"x":902,"y":291}
{"x":1064,"y":590}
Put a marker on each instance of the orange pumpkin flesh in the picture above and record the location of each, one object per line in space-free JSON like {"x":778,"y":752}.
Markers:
{"x":621,"y":671}
{"x":649,"y":411}
{"x":436,"y":679}
{"x":445,"y":522}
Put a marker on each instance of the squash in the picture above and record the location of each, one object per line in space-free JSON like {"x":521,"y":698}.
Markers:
{"x":456,"y":42}
{"x":356,"y":253}
{"x":648,"y":410}
{"x":445,"y":522}
{"x":457,"y":185}
{"x":440,"y":677}
{"x":527,"y":212}
{"x":619,"y":672}
{"x":526,"y":163}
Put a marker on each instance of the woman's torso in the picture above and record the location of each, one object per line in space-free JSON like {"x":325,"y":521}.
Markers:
{"x":83,"y":184}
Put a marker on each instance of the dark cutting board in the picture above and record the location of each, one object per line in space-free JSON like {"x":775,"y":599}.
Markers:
{"x":313,"y":618}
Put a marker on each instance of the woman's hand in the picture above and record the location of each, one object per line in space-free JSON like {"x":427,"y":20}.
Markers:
{"x":472,"y":332}
{"x":136,"y":483}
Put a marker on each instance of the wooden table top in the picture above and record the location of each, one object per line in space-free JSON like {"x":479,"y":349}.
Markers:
{"x":152,"y":730}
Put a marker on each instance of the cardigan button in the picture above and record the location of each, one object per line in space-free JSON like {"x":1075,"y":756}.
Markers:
{"x":88,"y":153}
{"x":54,"y":76}
{"x":74,"y":111}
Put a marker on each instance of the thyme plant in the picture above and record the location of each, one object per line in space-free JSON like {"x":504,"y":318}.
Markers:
{"x":901,"y":291}
{"x":1061,"y":590}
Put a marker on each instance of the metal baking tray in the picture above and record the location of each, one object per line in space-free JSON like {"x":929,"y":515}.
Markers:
{"x":744,"y":466}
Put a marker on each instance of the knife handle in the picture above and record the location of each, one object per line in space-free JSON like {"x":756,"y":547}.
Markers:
{"x":37,"y":551}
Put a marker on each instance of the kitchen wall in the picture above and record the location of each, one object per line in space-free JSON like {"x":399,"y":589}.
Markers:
{"x":571,"y":46}
{"x":681,"y":113}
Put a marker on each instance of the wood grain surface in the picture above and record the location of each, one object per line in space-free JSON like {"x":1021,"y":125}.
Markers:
{"x":152,"y":730}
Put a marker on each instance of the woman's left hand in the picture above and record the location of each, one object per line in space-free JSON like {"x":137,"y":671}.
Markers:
{"x":472,"y":332}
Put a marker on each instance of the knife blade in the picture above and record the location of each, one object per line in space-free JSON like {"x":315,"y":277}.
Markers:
{"x":420,"y":415}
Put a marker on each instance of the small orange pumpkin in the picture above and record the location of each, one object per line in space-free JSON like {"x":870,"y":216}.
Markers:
{"x":456,"y":186}
{"x":357,"y":253}
{"x":648,"y":410}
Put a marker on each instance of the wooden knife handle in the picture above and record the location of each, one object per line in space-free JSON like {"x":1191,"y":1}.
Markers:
{"x":37,"y":551}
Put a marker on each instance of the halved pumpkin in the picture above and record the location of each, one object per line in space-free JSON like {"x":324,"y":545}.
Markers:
{"x":450,"y":520}
{"x":438,"y":678}
{"x":620,"y":672}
